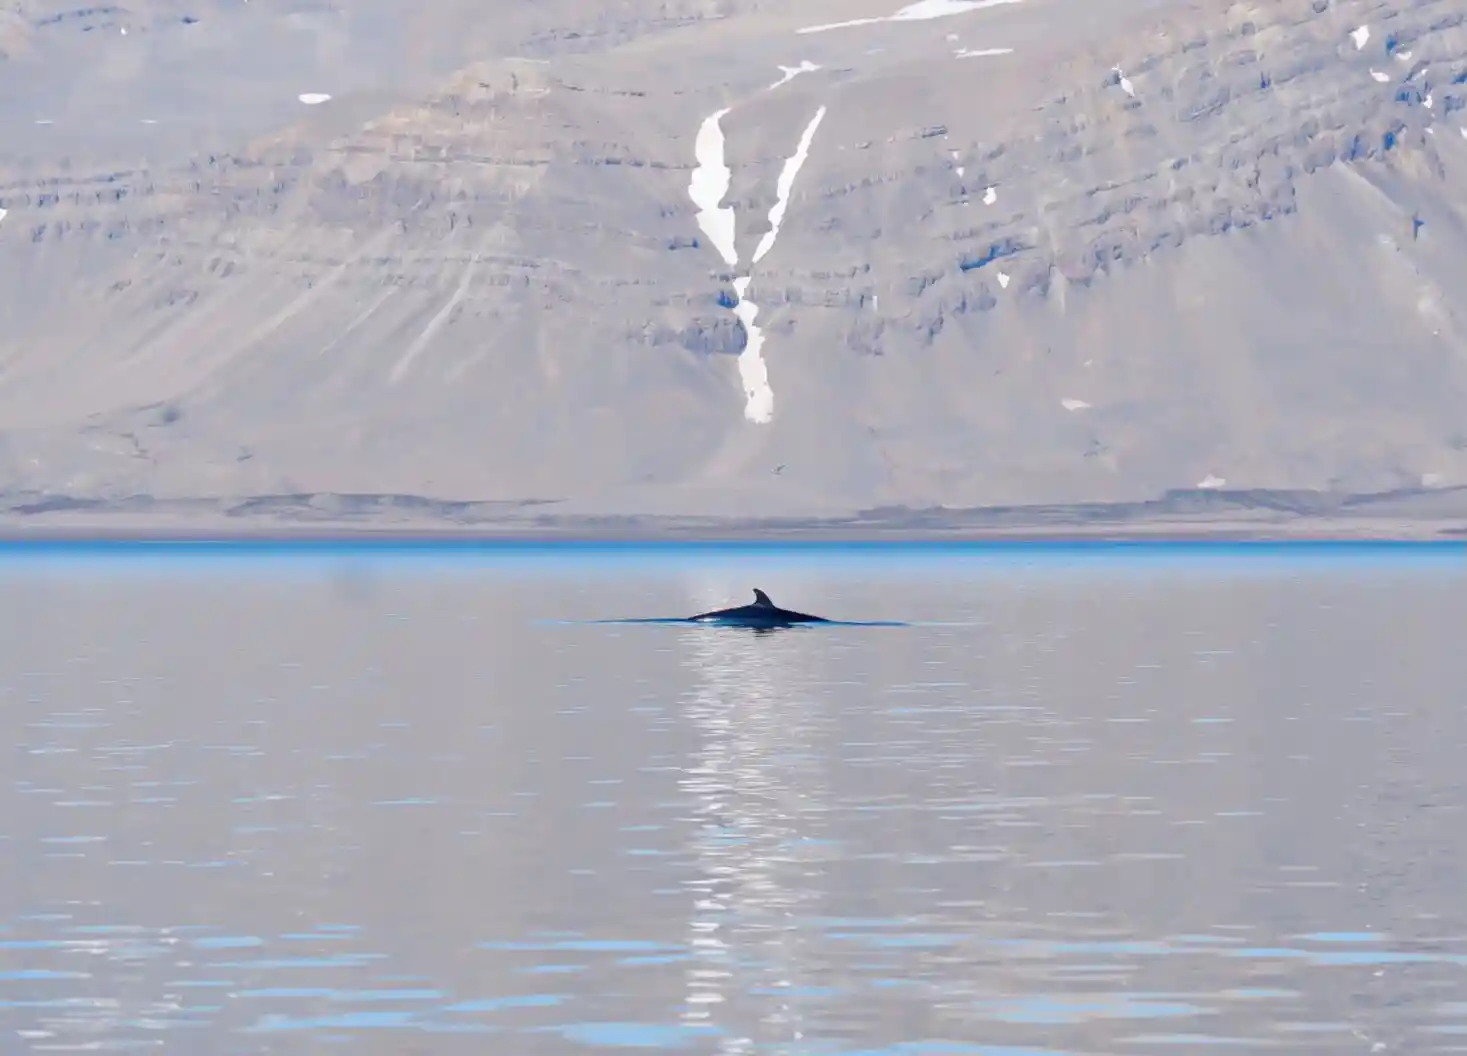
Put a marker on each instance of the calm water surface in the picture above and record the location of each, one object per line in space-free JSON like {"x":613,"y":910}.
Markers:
{"x":1117,"y":805}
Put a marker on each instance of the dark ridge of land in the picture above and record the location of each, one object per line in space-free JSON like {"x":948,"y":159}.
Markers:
{"x":1413,"y":514}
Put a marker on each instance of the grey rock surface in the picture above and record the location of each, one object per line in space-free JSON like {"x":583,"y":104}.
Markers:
{"x":1043,"y":253}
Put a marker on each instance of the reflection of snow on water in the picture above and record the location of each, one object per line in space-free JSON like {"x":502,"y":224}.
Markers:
{"x":750,"y":907}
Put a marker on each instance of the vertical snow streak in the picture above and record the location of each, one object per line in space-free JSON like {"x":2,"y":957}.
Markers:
{"x":786,"y":184}
{"x":759,"y":404}
{"x":708,"y":186}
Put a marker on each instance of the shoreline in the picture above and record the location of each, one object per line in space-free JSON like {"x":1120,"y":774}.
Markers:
{"x":1260,"y":516}
{"x":468,"y":537}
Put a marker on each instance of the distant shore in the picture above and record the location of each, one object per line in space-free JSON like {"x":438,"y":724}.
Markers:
{"x":1259,"y":516}
{"x":1297,"y":531}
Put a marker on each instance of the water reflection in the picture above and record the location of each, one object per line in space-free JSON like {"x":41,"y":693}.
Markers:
{"x":754,"y":784}
{"x":1069,"y":816}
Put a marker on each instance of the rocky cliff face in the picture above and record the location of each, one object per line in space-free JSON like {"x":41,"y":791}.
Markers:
{"x":1032,"y":252}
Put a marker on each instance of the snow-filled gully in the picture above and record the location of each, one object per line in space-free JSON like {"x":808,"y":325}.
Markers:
{"x":712,"y":177}
{"x":707,"y":189}
{"x":787,"y":177}
{"x":709,"y":185}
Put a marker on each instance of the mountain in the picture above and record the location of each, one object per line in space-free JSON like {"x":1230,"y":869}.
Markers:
{"x":729,"y":258}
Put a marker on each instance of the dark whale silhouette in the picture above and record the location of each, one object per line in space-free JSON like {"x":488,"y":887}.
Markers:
{"x":762,"y":617}
{"x":763,"y":614}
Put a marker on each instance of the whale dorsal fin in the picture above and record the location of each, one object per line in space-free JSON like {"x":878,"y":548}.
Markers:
{"x":761,"y":599}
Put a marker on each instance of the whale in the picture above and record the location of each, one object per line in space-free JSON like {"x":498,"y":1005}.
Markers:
{"x":763,"y":614}
{"x":761,"y":617}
